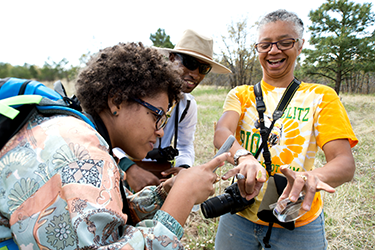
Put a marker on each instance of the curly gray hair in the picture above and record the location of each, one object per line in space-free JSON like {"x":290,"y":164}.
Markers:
{"x":283,"y":15}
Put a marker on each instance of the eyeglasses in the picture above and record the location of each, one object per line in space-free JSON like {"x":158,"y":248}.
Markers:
{"x":161,"y":117}
{"x":192,"y":64}
{"x":282,"y":45}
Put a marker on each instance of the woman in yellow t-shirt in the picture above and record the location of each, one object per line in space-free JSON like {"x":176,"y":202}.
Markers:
{"x":314,"y":118}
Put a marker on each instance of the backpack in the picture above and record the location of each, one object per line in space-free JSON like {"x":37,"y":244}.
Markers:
{"x":21,"y":98}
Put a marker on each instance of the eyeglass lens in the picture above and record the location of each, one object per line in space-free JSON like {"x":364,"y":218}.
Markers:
{"x":161,"y":117}
{"x":284,"y":44}
{"x":192,"y":64}
{"x":161,"y":121}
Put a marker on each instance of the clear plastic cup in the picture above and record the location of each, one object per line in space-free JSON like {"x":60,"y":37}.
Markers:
{"x":287,"y":211}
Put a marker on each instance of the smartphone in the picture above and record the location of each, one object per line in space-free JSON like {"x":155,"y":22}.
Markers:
{"x":226,"y":146}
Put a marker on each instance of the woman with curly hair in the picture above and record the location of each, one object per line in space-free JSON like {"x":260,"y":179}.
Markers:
{"x":68,"y":190}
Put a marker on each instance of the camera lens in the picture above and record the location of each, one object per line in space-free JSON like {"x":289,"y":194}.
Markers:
{"x":217,"y":206}
{"x":231,"y":201}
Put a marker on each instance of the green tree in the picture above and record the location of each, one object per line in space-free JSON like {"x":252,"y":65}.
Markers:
{"x":52,"y":71}
{"x":340,"y":34}
{"x":160,"y":39}
{"x":5,"y":70}
{"x":20,"y":71}
{"x":34,"y":71}
{"x":48,"y":72}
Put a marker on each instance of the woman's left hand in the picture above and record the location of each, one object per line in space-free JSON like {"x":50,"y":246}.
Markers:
{"x":303,"y":181}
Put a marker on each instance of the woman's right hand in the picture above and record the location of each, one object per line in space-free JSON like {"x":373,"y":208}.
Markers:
{"x":191,"y":186}
{"x":197,"y":182}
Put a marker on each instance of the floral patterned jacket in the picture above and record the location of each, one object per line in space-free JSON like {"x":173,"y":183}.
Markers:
{"x":60,"y":189}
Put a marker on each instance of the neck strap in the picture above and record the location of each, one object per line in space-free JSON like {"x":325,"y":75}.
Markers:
{"x":261,"y":108}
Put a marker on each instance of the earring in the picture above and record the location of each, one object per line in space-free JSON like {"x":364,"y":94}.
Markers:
{"x":115,"y":113}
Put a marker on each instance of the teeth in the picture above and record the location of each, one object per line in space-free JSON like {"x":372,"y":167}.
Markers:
{"x":274,"y":61}
{"x":189,"y":82}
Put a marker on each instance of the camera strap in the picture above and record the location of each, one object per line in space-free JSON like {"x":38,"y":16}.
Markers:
{"x":264,"y":131}
{"x":278,"y":113}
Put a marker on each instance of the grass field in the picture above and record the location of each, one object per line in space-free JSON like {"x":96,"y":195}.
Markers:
{"x":349,"y":212}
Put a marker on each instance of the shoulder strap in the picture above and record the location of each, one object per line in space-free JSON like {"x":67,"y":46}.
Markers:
{"x":185,"y":110}
{"x":177,"y":122}
{"x":176,"y":125}
{"x":286,"y":98}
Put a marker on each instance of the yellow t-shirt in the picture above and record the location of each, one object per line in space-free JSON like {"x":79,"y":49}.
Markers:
{"x":314,"y":117}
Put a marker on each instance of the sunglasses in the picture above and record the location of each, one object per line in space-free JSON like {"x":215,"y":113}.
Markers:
{"x":192,"y":64}
{"x":161,"y":116}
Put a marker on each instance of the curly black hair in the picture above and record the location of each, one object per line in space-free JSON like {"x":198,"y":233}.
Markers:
{"x":125,"y":71}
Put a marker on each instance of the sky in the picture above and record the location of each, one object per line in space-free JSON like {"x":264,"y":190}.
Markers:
{"x":36,"y":31}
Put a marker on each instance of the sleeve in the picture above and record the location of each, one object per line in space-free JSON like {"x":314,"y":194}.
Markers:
{"x":95,"y":205}
{"x":185,"y":140}
{"x":232,"y":102}
{"x":332,"y":121}
{"x":146,"y":205}
{"x":125,"y":163}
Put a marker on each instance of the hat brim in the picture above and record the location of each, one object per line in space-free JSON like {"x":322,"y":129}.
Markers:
{"x":216,"y":67}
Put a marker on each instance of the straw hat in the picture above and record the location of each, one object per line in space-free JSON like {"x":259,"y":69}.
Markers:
{"x":200,"y":47}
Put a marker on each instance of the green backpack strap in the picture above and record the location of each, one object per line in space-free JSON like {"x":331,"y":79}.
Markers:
{"x":11,"y":113}
{"x":8,"y":245}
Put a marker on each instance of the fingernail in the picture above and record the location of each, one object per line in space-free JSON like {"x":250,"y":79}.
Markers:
{"x":305,"y":207}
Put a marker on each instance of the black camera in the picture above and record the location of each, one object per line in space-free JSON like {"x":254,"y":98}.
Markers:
{"x":162,"y":154}
{"x":231,"y":201}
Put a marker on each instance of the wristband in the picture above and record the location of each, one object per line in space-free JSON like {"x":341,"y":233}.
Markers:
{"x":125,"y":163}
{"x":240,"y":153}
{"x":184,"y":166}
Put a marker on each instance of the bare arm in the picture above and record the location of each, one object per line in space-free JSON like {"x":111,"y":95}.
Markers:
{"x":340,"y":165}
{"x":339,"y":169}
{"x":248,"y":165}
{"x":225,"y":127}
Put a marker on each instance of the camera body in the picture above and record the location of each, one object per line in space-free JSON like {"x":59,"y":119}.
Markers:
{"x":230,"y":201}
{"x":162,"y":154}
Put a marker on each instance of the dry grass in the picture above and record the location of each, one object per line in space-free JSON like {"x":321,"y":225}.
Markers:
{"x":350,"y":212}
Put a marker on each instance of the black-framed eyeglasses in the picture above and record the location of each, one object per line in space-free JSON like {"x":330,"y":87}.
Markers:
{"x":192,"y":64}
{"x":285,"y":44}
{"x":161,"y":116}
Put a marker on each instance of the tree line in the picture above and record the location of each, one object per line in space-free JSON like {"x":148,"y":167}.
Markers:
{"x":343,"y":53}
{"x":343,"y":56}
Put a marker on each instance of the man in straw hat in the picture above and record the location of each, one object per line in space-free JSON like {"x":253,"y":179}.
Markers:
{"x":193,"y":53}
